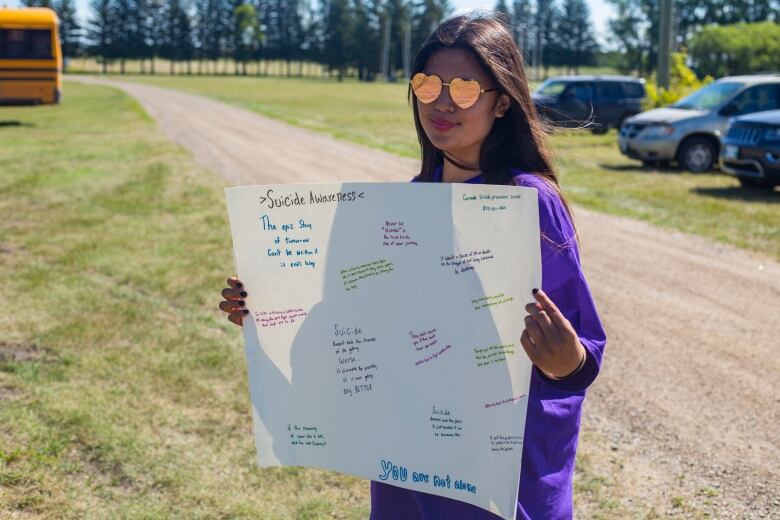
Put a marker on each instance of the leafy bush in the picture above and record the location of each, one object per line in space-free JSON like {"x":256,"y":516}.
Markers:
{"x":682,"y":81}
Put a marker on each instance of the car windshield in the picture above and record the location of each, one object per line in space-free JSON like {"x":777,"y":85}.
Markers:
{"x":551,"y":88}
{"x":711,"y":96}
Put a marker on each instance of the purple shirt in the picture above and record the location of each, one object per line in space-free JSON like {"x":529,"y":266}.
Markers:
{"x":554,"y":407}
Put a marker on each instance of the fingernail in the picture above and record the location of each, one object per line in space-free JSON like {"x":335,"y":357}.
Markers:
{"x":535,"y":291}
{"x":243,"y":294}
{"x":245,"y":311}
{"x":239,"y":285}
{"x":241,"y":303}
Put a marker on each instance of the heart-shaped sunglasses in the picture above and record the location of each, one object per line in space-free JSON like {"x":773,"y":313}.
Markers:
{"x":464,"y":92}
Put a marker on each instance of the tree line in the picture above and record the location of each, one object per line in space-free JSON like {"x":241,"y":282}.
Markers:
{"x":367,"y":38}
{"x":635,"y":28}
{"x":722,"y":50}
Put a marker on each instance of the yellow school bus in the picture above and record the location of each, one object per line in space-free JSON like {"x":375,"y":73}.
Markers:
{"x":30,"y":57}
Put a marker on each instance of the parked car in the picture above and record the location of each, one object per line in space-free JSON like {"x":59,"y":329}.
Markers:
{"x":690,"y":130}
{"x":751,"y":149}
{"x":595,"y":102}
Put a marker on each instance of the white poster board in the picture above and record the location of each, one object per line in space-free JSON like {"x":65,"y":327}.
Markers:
{"x":383,"y":338}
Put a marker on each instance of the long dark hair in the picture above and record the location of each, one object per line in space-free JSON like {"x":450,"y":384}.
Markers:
{"x":517,"y":140}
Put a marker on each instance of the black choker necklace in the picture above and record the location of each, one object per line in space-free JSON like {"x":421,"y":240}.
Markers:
{"x":459,"y":164}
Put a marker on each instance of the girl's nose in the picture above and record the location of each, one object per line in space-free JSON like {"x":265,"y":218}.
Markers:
{"x":444,"y":101}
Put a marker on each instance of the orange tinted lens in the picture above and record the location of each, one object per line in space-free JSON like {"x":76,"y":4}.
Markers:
{"x":426,"y":88}
{"x":464,"y":93}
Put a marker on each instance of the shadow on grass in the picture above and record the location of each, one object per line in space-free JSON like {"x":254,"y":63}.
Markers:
{"x":763,"y":195}
{"x":4,"y":123}
{"x":638,"y":168}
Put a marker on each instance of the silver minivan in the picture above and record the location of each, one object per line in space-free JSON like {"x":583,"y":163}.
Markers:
{"x":690,"y":130}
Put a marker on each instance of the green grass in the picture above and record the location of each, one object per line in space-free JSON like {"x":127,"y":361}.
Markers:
{"x":594,"y":173}
{"x":122,"y":388}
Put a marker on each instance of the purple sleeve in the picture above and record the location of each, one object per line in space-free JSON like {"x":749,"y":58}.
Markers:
{"x":565,"y":284}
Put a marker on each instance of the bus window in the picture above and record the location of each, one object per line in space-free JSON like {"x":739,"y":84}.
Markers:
{"x":25,"y":44}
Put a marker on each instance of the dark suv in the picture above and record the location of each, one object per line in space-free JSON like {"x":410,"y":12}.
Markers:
{"x":751,"y":149}
{"x":595,"y":102}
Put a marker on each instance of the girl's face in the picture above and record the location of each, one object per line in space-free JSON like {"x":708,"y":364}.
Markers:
{"x":461,"y":131}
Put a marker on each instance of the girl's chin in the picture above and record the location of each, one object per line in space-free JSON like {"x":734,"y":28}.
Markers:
{"x":441,"y":138}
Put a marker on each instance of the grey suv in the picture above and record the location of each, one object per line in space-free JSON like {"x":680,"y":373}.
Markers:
{"x":595,"y":102}
{"x":690,"y":131}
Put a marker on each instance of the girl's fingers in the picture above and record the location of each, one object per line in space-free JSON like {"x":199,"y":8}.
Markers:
{"x":231,"y":305}
{"x":534,"y":331}
{"x":238,"y":317}
{"x":528,"y":344}
{"x":541,"y":317}
{"x":235,"y":283}
{"x":233,"y":294}
{"x":552,"y":310}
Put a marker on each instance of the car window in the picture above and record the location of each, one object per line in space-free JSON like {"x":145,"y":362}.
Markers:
{"x":551,"y":88}
{"x":634,"y":90}
{"x":579,"y":91}
{"x":709,"y":97}
{"x":609,"y":90}
{"x":757,"y":99}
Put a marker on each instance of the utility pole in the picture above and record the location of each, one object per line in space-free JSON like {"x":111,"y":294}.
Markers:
{"x":664,"y":44}
{"x":386,"y":48}
{"x":538,"y":55}
{"x":407,"y":25}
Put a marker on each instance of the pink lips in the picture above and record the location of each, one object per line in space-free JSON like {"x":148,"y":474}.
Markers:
{"x":443,"y":125}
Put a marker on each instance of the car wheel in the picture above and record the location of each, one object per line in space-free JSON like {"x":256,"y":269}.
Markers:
{"x":600,"y":130}
{"x":697,"y":155}
{"x":752,"y":182}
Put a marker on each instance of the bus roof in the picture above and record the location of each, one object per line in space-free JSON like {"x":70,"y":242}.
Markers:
{"x":30,"y":16}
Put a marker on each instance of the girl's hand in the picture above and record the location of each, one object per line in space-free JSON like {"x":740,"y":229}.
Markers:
{"x":233,"y":304}
{"x":550,"y":340}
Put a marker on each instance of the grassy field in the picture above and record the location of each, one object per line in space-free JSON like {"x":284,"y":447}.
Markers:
{"x":122,"y":388}
{"x":595,"y":175}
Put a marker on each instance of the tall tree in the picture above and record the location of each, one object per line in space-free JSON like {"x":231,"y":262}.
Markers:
{"x":101,"y":31}
{"x":70,"y":31}
{"x":290,"y":31}
{"x":37,"y":3}
{"x":544,"y":18}
{"x":126,"y":35}
{"x":576,"y":39}
{"x":366,"y":38}
{"x":426,"y":16}
{"x":310,"y":27}
{"x":175,"y":40}
{"x":502,"y":9}
{"x":399,"y":12}
{"x":627,"y":30}
{"x":245,"y":35}
{"x":336,"y":34}
{"x":153,"y":17}
{"x":522,"y":25}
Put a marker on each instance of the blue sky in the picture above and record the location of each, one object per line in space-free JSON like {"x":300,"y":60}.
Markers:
{"x":600,"y":11}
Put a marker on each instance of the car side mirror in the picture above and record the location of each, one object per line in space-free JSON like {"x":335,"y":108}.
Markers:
{"x":730,"y":109}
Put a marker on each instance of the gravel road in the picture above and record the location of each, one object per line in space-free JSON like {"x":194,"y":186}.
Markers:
{"x":684,"y":420}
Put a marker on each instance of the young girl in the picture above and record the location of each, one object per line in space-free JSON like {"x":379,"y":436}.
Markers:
{"x":476,"y":123}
